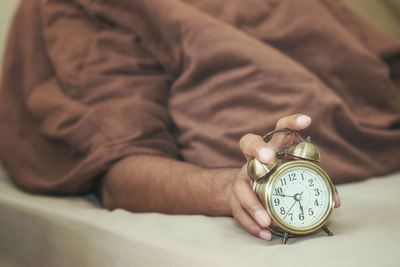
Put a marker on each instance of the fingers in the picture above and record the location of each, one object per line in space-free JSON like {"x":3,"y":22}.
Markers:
{"x":248,"y":200}
{"x":337,"y":199}
{"x":253,"y":145}
{"x":242,"y":217}
{"x":294,"y":122}
{"x":247,"y":209}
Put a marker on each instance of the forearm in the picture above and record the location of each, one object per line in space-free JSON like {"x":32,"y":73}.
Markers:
{"x":155,"y":184}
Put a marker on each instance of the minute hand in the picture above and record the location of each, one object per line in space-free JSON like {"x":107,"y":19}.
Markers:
{"x":301,"y":207}
{"x":289,"y":209}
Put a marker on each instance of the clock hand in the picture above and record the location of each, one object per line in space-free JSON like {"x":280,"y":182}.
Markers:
{"x":301,"y":206}
{"x":289,"y":209}
{"x":282,"y":195}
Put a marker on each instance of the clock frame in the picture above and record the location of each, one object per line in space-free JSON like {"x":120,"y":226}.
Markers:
{"x":302,"y":154}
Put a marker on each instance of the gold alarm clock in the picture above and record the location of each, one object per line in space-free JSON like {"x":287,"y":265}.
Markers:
{"x":297,"y":194}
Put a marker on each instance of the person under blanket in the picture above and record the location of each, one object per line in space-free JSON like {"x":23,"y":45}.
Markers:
{"x":158,"y":105}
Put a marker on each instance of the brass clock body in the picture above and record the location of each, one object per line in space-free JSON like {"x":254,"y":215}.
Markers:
{"x":297,"y":194}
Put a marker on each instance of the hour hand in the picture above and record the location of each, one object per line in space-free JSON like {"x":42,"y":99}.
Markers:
{"x":282,"y":195}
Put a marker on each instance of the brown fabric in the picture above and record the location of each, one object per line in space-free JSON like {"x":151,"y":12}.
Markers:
{"x":88,"y":82}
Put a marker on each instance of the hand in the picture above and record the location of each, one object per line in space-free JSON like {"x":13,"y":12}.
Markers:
{"x":245,"y":206}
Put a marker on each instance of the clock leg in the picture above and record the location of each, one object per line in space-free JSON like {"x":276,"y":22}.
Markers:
{"x":285,"y":237}
{"x":327,"y":230}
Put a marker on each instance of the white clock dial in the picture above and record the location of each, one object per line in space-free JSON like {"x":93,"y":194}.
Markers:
{"x":300,"y":197}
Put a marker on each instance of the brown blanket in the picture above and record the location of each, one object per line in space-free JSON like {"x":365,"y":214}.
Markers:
{"x":88,"y":82}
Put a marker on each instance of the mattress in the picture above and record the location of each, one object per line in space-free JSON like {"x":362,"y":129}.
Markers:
{"x":76,"y":231}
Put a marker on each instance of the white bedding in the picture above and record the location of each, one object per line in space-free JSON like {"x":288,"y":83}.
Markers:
{"x":76,"y":231}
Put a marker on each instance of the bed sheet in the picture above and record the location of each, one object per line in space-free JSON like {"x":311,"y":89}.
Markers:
{"x":77,"y":231}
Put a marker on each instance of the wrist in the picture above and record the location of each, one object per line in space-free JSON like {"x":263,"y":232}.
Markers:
{"x":222,"y":181}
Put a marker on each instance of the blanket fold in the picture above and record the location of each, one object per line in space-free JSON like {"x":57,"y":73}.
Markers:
{"x":88,"y":82}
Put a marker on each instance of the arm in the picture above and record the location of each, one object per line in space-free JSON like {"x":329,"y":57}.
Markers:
{"x":148,"y":183}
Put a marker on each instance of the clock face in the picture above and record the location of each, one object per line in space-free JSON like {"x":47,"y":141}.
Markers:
{"x":300,"y":197}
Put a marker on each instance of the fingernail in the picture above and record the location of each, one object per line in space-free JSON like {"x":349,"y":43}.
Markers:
{"x":302,"y":120}
{"x":261,"y":218}
{"x":266,"y":154}
{"x":265,"y":235}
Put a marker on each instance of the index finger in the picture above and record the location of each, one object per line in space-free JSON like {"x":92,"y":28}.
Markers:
{"x":294,"y":122}
{"x":253,"y":145}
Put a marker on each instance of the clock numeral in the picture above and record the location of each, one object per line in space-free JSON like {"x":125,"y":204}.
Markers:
{"x":291,"y":216}
{"x":316,"y":203}
{"x":310,"y":212}
{"x":283,"y":211}
{"x":283,"y":181}
{"x":316,"y":190}
{"x":278,"y":191}
{"x":302,"y":177}
{"x":277,"y":202}
{"x":301,"y":216}
{"x":292,"y":177}
{"x":311,"y":182}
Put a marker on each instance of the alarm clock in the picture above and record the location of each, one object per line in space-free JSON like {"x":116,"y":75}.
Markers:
{"x":297,"y":194}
